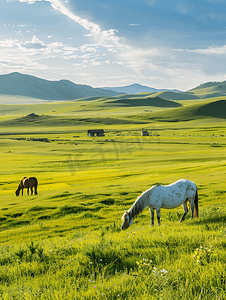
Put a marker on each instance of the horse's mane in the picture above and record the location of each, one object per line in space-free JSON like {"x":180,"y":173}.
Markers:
{"x":139,"y":204}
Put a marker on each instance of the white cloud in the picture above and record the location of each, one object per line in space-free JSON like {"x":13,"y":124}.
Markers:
{"x":35,"y":43}
{"x":88,"y":48}
{"x":102,"y":37}
{"x":8,"y":43}
{"x":25,"y":1}
{"x":15,"y":64}
{"x":34,"y":47}
{"x":15,"y":53}
{"x":90,"y":26}
{"x":156,"y":66}
{"x":112,"y":50}
{"x":221,"y":50}
{"x":119,"y":63}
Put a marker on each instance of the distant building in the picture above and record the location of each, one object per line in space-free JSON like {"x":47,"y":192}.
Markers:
{"x":144,"y":133}
{"x":97,"y":132}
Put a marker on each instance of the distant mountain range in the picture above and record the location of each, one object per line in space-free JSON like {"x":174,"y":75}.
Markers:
{"x":31,"y":86}
{"x":136,"y":89}
{"x":17,"y":84}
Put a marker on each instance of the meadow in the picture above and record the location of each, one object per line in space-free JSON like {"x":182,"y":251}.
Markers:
{"x":66,"y":242}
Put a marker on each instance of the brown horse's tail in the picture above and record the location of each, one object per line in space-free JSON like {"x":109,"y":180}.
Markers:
{"x":36,"y":182}
{"x":196,"y":204}
{"x":35,"y":185}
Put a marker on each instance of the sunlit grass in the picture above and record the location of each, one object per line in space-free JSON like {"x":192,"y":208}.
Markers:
{"x":66,"y":242}
{"x":133,"y":263}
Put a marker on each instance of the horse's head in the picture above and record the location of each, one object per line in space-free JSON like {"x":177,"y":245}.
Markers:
{"x":17,"y":192}
{"x":127,"y":220}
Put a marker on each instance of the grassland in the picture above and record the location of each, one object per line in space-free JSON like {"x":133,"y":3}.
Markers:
{"x":66,"y":242}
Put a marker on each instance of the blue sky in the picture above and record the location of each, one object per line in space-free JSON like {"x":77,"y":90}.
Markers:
{"x":174,"y":44}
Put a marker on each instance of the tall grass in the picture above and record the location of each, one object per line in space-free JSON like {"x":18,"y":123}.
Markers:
{"x":66,"y":242}
{"x":167,"y":262}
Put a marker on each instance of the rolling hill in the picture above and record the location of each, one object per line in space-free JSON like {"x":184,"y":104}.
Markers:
{"x":168,"y":95}
{"x":135,"y":89}
{"x":215,"y":109}
{"x":30,"y":86}
{"x":203,"y":91}
{"x":49,"y":120}
{"x":15,"y":85}
{"x":210,"y":90}
{"x":147,"y":101}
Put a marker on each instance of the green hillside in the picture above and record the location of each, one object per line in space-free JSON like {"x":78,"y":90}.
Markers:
{"x":109,"y":112}
{"x":31,"y":86}
{"x":147,"y":101}
{"x":48,"y":120}
{"x":203,"y":91}
{"x":210,"y":90}
{"x":216,"y":109}
{"x":213,"y":109}
{"x":176,"y":96}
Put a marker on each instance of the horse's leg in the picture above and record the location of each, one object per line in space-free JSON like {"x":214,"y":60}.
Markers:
{"x":31,"y":191}
{"x":28,"y":191}
{"x":22,"y":192}
{"x":192,"y":208}
{"x":158,"y":216}
{"x":185,"y":211}
{"x":152,"y":216}
{"x":36,"y":193}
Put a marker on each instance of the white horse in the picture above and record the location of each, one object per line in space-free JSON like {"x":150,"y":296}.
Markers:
{"x":169,"y":196}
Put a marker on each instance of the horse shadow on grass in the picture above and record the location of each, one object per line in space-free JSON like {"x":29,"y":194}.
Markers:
{"x":210,"y":222}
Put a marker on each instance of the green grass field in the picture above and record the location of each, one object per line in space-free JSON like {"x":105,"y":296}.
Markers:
{"x":66,"y":242}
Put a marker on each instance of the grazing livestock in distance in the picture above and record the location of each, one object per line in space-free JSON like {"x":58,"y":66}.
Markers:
{"x":169,"y":196}
{"x":27,"y":183}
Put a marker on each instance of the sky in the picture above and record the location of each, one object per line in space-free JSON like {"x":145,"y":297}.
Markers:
{"x":168,"y":44}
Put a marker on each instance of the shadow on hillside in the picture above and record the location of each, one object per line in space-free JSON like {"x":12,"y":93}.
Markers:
{"x":156,"y":101}
{"x":214,"y":109}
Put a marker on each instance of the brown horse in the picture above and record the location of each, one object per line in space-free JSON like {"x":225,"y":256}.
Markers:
{"x":27,"y":183}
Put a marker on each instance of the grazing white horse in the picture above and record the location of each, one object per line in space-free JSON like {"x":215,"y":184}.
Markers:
{"x":168,"y":196}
